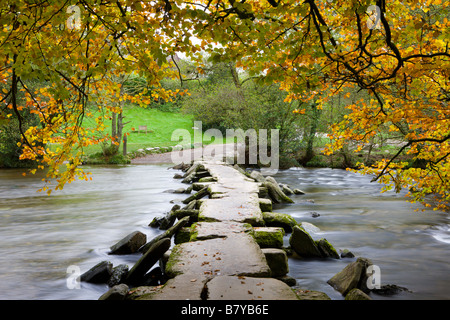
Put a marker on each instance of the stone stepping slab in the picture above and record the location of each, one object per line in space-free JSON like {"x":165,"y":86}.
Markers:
{"x":242,"y":208}
{"x":191,"y":287}
{"x":237,"y":254}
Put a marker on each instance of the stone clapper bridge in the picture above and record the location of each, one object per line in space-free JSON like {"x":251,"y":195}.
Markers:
{"x":228,"y":246}
{"x":222,"y":259}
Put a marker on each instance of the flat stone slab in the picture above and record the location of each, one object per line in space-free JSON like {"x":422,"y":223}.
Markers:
{"x":182,"y":287}
{"x":248,"y":288}
{"x":242,"y":208}
{"x":211,"y":230}
{"x":225,"y":173}
{"x":237,"y":254}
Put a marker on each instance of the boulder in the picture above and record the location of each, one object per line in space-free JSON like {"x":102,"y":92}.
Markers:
{"x":156,"y":222}
{"x":356,"y":294}
{"x":180,"y":214}
{"x":118,"y":292}
{"x":268,"y":237}
{"x":347,"y":254}
{"x":168,"y":220}
{"x":309,"y":227}
{"x":352,"y":276}
{"x":198,"y":195}
{"x":283,"y":220}
{"x":183,"y":235}
{"x":298,"y":191}
{"x":257,"y":176}
{"x":153,"y":254}
{"x":100,"y":273}
{"x":167,"y":234}
{"x":190,"y":174}
{"x":263,"y":192}
{"x":277,"y":261}
{"x":315,"y":214}
{"x":290,"y":281}
{"x":164,"y":259}
{"x":286,"y":189}
{"x":130,"y":244}
{"x":327,"y":249}
{"x":275,"y":192}
{"x":154,"y":277}
{"x":302,"y":243}
{"x":118,"y":275}
{"x":265,"y":205}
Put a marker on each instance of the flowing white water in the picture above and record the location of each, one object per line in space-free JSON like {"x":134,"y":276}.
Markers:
{"x":42,"y":236}
{"x":411,"y":247}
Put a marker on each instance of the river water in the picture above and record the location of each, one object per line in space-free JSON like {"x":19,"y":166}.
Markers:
{"x":43,"y":238}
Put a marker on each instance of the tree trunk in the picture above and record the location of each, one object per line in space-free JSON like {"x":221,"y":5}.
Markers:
{"x":312,"y":134}
{"x":117,"y":127}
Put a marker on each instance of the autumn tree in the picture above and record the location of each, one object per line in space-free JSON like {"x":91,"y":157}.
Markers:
{"x":397,"y":52}
{"x":76,"y":50}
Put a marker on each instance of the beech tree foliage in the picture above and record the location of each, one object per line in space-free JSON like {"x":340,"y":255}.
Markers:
{"x":396,"y":51}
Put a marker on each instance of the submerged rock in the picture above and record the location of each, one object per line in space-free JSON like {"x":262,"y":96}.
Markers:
{"x":390,"y":289}
{"x":298,"y":191}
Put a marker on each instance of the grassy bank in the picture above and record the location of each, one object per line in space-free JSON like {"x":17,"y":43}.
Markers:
{"x":160,"y":128}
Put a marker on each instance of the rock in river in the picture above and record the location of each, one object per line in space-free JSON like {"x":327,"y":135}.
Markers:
{"x":130,"y":244}
{"x":302,"y":243}
{"x":151,"y":256}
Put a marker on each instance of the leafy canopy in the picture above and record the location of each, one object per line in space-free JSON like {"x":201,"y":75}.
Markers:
{"x":397,"y":51}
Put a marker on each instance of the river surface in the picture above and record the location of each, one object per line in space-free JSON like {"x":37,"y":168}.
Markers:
{"x":43,"y":238}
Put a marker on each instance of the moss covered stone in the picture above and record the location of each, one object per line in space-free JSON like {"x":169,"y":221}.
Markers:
{"x":302,"y":243}
{"x":265,"y":205}
{"x":269,"y":237}
{"x":311,"y":295}
{"x":183,"y":235}
{"x":277,"y":260}
{"x":283,"y":220}
{"x":356,"y":294}
{"x":327,"y":249}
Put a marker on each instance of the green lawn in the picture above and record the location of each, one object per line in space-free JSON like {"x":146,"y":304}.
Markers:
{"x":160,"y":125}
